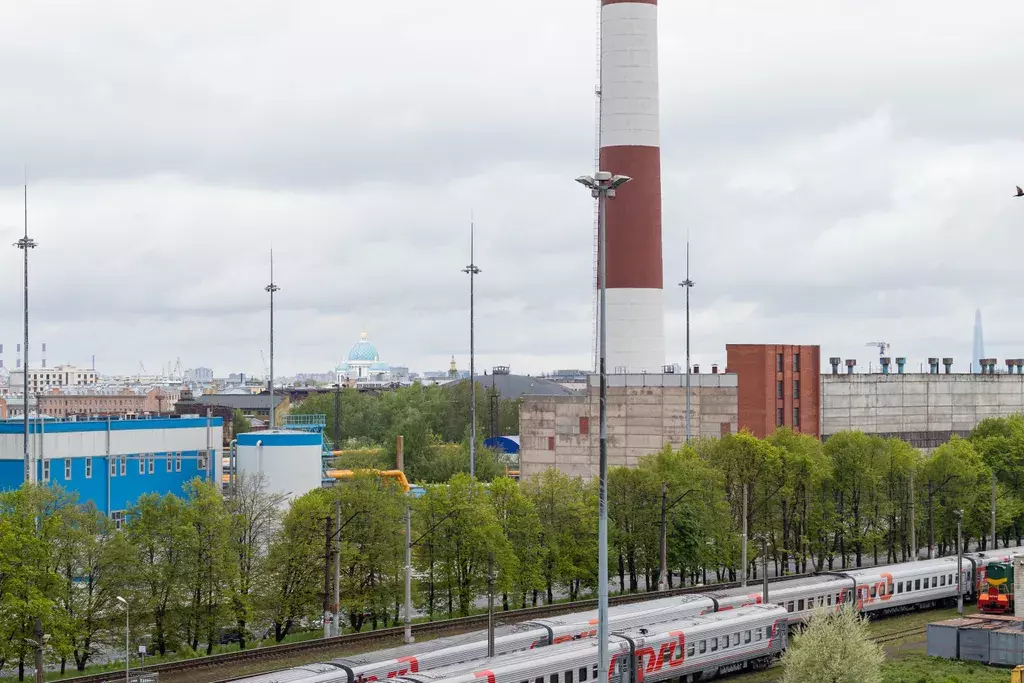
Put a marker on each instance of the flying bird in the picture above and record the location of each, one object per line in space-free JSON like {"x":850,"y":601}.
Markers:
{"x":1020,"y":192}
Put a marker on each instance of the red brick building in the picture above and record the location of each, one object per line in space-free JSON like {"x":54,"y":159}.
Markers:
{"x":779,"y":384}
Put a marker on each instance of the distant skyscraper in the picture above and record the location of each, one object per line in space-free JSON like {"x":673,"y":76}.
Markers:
{"x":979,"y":343}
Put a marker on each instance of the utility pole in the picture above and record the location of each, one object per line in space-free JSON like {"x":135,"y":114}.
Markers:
{"x":764,"y":568}
{"x":688,"y":285}
{"x":743,"y":541}
{"x":26,"y":243}
{"x":272,"y":288}
{"x":931,"y":519}
{"x":335,"y":622}
{"x":327,"y":576}
{"x":490,"y":605}
{"x":603,"y":187}
{"x":473,"y":271}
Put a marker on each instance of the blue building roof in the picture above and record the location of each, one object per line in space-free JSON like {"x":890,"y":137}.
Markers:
{"x":363,"y":350}
{"x":505,"y":444}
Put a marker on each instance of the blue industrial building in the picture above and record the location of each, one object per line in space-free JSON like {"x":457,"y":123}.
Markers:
{"x":113,"y":462}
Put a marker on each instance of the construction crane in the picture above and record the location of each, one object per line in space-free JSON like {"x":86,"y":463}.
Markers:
{"x":882,"y":346}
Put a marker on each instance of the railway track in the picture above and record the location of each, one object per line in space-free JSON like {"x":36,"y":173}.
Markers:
{"x":391,"y":636}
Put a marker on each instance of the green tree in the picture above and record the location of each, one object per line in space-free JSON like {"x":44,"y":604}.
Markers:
{"x":255,"y":516}
{"x":954,"y":478}
{"x":851,"y":656}
{"x":521,"y":527}
{"x":467,"y":532}
{"x":156,"y":530}
{"x":294,"y":586}
{"x":93,"y":562}
{"x":207,"y":550}
{"x":240,"y":424}
{"x":568,"y":541}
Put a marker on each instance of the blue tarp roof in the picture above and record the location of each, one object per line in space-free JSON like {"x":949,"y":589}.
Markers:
{"x":505,"y":444}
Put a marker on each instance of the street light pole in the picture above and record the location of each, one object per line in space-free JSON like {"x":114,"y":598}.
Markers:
{"x":665,"y":507}
{"x":688,"y":285}
{"x":26,"y":243}
{"x":272,"y":288}
{"x":127,"y":638}
{"x":602,"y":187}
{"x":408,"y":575}
{"x":473,"y":271}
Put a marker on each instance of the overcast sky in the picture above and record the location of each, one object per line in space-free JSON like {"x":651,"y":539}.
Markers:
{"x":844,"y":170}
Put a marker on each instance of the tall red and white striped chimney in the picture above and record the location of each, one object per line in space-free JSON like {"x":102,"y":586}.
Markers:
{"x":630,"y":146}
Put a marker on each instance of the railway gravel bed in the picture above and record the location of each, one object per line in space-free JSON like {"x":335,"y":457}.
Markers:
{"x":231,"y":666}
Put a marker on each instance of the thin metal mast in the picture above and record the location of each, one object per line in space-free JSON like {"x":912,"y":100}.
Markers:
{"x":473,"y":272}
{"x":687,"y":284}
{"x":272,"y":288}
{"x":25,"y":243}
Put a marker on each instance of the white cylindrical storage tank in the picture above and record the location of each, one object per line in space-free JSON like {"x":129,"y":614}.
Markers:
{"x":290,"y":461}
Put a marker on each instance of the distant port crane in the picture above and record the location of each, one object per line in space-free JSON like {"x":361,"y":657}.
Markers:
{"x":882,"y":346}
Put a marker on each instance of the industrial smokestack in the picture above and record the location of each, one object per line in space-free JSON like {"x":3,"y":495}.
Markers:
{"x":835,"y":361}
{"x":630,"y":145}
{"x":885,"y":361}
{"x":933,"y":365}
{"x":900,"y":364}
{"x":851,"y":363}
{"x":948,"y":362}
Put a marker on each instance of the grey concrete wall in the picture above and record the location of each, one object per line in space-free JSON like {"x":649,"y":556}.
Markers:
{"x":645,"y":412}
{"x":924,"y":409}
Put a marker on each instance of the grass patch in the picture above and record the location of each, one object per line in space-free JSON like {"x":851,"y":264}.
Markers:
{"x":918,"y":668}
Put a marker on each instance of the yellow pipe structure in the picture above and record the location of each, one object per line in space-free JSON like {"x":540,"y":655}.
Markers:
{"x":397,"y":475}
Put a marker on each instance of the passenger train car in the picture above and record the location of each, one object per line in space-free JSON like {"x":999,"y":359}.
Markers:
{"x":696,"y":648}
{"x":875,"y":591}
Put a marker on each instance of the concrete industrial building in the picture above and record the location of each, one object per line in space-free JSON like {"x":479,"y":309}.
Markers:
{"x":112,"y":462}
{"x":764,"y":387}
{"x":924,"y":409}
{"x":645,"y":413}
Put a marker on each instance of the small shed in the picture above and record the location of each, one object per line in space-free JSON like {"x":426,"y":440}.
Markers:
{"x":943,"y":637}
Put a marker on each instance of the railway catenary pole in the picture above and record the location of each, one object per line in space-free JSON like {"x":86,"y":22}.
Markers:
{"x":408,"y":575}
{"x":743,"y":540}
{"x":337,"y":415}
{"x":327,"y":576}
{"x":336,"y":612}
{"x":959,"y":564}
{"x":602,"y":187}
{"x":764,"y":568}
{"x":993,"y":511}
{"x":490,"y":605}
{"x":913,"y":523}
{"x":663,"y":572}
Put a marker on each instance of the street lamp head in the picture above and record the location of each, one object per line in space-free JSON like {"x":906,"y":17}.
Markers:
{"x":122,"y":601}
{"x":587,"y":181}
{"x":603,"y":176}
{"x":619,"y":181}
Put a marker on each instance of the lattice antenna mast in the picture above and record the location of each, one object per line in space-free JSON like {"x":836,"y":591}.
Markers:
{"x":597,"y":203}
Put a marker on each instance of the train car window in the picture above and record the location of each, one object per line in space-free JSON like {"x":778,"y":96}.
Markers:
{"x":746,"y":637}
{"x":951,"y":579}
{"x":925,"y":585}
{"x":909,"y":586}
{"x":799,"y":605}
{"x":917,"y":584}
{"x":593,"y":672}
{"x":553,"y":678}
{"x":789,"y":606}
{"x":881,"y":590}
{"x":714,"y":644}
{"x":735,"y":639}
{"x":899,"y":587}
{"x":703,"y":646}
{"x":689,"y":650}
{"x":874,"y":592}
{"x":568,"y":676}
{"x":942,"y":580}
{"x":540,"y":679}
{"x":757,"y":634}
{"x":828,"y":599}
{"x":583,"y":674}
